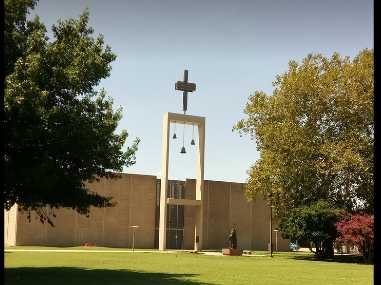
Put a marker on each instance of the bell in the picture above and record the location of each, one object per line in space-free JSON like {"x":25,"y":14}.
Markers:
{"x":192,"y":142}
{"x":183,"y":150}
{"x":174,"y":136}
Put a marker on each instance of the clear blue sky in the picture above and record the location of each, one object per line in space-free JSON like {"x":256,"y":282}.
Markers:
{"x":231,"y":48}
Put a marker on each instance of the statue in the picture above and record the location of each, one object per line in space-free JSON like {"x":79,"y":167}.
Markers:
{"x":233,"y":238}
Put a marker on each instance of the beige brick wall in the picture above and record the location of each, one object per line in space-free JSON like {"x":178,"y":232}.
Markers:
{"x":224,"y":205}
{"x":189,"y":214}
{"x":135,"y":196}
{"x":217,"y":216}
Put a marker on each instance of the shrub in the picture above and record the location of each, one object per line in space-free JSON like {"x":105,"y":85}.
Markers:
{"x":358,"y":230}
{"x":315,"y":223}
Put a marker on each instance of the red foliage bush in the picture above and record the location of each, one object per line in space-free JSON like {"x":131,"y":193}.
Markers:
{"x":358,"y":230}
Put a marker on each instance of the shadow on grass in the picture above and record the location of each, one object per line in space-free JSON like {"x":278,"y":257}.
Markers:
{"x":77,"y":275}
{"x":337,"y":258}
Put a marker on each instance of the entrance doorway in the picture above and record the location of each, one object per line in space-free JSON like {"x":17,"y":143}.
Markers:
{"x":175,"y":215}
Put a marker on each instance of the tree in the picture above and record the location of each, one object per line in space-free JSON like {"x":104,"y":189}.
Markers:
{"x":59,"y":129}
{"x":315,"y":134}
{"x":358,"y":230}
{"x":315,"y":223}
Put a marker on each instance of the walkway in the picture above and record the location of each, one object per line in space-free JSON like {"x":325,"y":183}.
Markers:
{"x":211,"y":253}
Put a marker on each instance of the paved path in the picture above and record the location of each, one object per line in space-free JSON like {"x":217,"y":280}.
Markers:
{"x":217,"y":253}
{"x":80,"y":250}
{"x":212,"y":253}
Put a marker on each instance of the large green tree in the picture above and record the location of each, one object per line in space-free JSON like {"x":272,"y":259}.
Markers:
{"x":59,"y":130}
{"x":315,"y":134}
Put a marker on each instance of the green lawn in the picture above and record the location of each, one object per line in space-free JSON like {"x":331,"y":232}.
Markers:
{"x":105,"y":268}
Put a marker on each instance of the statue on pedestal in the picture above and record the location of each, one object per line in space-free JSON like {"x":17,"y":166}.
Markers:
{"x":233,"y":245}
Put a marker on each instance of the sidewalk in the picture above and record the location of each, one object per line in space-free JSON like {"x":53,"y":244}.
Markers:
{"x":84,"y":250}
{"x":211,"y":253}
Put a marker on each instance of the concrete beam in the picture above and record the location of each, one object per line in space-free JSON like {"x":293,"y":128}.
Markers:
{"x":185,"y":202}
{"x":185,"y":119}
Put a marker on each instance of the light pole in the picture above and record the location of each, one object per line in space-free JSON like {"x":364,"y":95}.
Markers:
{"x":133,"y":236}
{"x":271,"y":230}
{"x":276,"y":240}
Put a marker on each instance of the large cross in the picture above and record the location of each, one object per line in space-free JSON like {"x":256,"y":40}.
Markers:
{"x":186,"y":87}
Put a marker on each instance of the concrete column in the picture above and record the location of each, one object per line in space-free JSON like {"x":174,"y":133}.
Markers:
{"x":164,"y":184}
{"x":10,"y":226}
{"x":200,"y":186}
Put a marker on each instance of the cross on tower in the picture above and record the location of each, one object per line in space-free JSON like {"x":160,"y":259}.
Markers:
{"x":186,"y":87}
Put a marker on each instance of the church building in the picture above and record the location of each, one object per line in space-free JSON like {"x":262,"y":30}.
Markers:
{"x":138,"y":204}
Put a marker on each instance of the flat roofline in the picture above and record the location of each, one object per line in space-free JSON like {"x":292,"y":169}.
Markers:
{"x":134,"y":174}
{"x":206,"y":180}
{"x":178,"y":180}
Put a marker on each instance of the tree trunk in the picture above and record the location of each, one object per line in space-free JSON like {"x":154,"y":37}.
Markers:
{"x":317,"y":248}
{"x":310,"y":247}
{"x":327,"y":248}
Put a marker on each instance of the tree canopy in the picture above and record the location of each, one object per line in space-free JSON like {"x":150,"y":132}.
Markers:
{"x":59,"y":130}
{"x":315,"y":134}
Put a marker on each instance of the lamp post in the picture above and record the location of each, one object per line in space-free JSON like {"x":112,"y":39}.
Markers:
{"x":276,"y":240}
{"x":271,"y":230}
{"x":133,"y":236}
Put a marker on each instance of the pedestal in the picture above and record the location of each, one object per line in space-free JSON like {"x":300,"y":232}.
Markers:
{"x":232,"y":251}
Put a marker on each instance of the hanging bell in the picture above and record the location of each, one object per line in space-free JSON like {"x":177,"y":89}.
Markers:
{"x":192,"y":141}
{"x":174,"y":131}
{"x":183,"y":150}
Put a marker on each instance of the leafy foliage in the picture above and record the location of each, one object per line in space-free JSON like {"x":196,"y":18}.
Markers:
{"x":315,"y":134}
{"x":16,"y":30}
{"x":59,"y":130}
{"x":315,"y":223}
{"x":358,"y":230}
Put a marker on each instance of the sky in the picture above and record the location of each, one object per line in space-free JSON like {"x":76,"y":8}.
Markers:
{"x":231,"y":49}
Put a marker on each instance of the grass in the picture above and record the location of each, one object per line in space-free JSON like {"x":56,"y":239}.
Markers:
{"x":178,"y":269}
